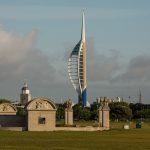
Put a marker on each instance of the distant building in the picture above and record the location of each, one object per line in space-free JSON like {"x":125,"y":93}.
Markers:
{"x":25,"y":95}
{"x":118,"y":99}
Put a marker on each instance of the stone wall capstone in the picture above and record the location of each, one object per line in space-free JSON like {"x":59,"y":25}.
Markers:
{"x":7,"y":109}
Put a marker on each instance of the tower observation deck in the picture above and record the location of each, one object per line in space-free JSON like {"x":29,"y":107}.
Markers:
{"x":77,"y":67}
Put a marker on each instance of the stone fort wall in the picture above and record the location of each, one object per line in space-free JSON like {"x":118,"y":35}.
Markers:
{"x":12,"y":121}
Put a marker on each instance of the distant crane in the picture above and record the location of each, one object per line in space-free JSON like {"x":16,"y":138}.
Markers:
{"x":140,"y":102}
{"x":140,"y":96}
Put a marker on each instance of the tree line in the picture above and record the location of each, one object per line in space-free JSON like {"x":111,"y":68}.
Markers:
{"x":118,"y":111}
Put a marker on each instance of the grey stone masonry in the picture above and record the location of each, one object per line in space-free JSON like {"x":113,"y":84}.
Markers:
{"x":41,"y":114}
{"x":103,"y":112}
{"x":69,"y":113}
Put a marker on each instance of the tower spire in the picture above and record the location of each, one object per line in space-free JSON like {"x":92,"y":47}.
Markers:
{"x":77,"y":66}
{"x":83,"y":28}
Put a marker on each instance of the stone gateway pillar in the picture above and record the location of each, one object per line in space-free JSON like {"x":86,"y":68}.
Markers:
{"x":100,"y":116}
{"x":69,"y":113}
{"x":106,"y":117}
{"x":103,"y":113}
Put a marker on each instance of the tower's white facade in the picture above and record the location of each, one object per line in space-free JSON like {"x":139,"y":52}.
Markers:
{"x":77,"y":66}
{"x":25,"y":95}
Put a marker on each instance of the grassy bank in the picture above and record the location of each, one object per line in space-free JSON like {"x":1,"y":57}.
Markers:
{"x":115,"y":139}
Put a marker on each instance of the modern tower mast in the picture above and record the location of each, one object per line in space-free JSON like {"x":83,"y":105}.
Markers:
{"x":77,"y":66}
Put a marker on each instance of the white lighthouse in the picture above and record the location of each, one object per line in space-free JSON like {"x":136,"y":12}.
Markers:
{"x":25,"y":95}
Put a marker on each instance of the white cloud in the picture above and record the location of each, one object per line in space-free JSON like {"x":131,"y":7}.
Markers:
{"x":101,"y":68}
{"x":137,"y":71}
{"x":19,"y":60}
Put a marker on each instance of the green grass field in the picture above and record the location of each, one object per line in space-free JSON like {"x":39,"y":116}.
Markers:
{"x":114,"y":139}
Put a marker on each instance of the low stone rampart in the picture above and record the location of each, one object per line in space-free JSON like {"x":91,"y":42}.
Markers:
{"x":13,"y":128}
{"x":12,"y":121}
{"x":88,"y":128}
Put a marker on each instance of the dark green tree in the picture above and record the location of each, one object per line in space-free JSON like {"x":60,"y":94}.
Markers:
{"x":60,"y":113}
{"x":81,"y":113}
{"x":120,"y":111}
{"x":4,"y":101}
{"x":140,"y":111}
{"x":94,"y":111}
{"x":145,"y":113}
{"x":86,"y":114}
{"x":77,"y":111}
{"x":21,"y":111}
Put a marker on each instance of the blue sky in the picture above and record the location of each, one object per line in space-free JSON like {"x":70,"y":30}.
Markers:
{"x":117,"y":34}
